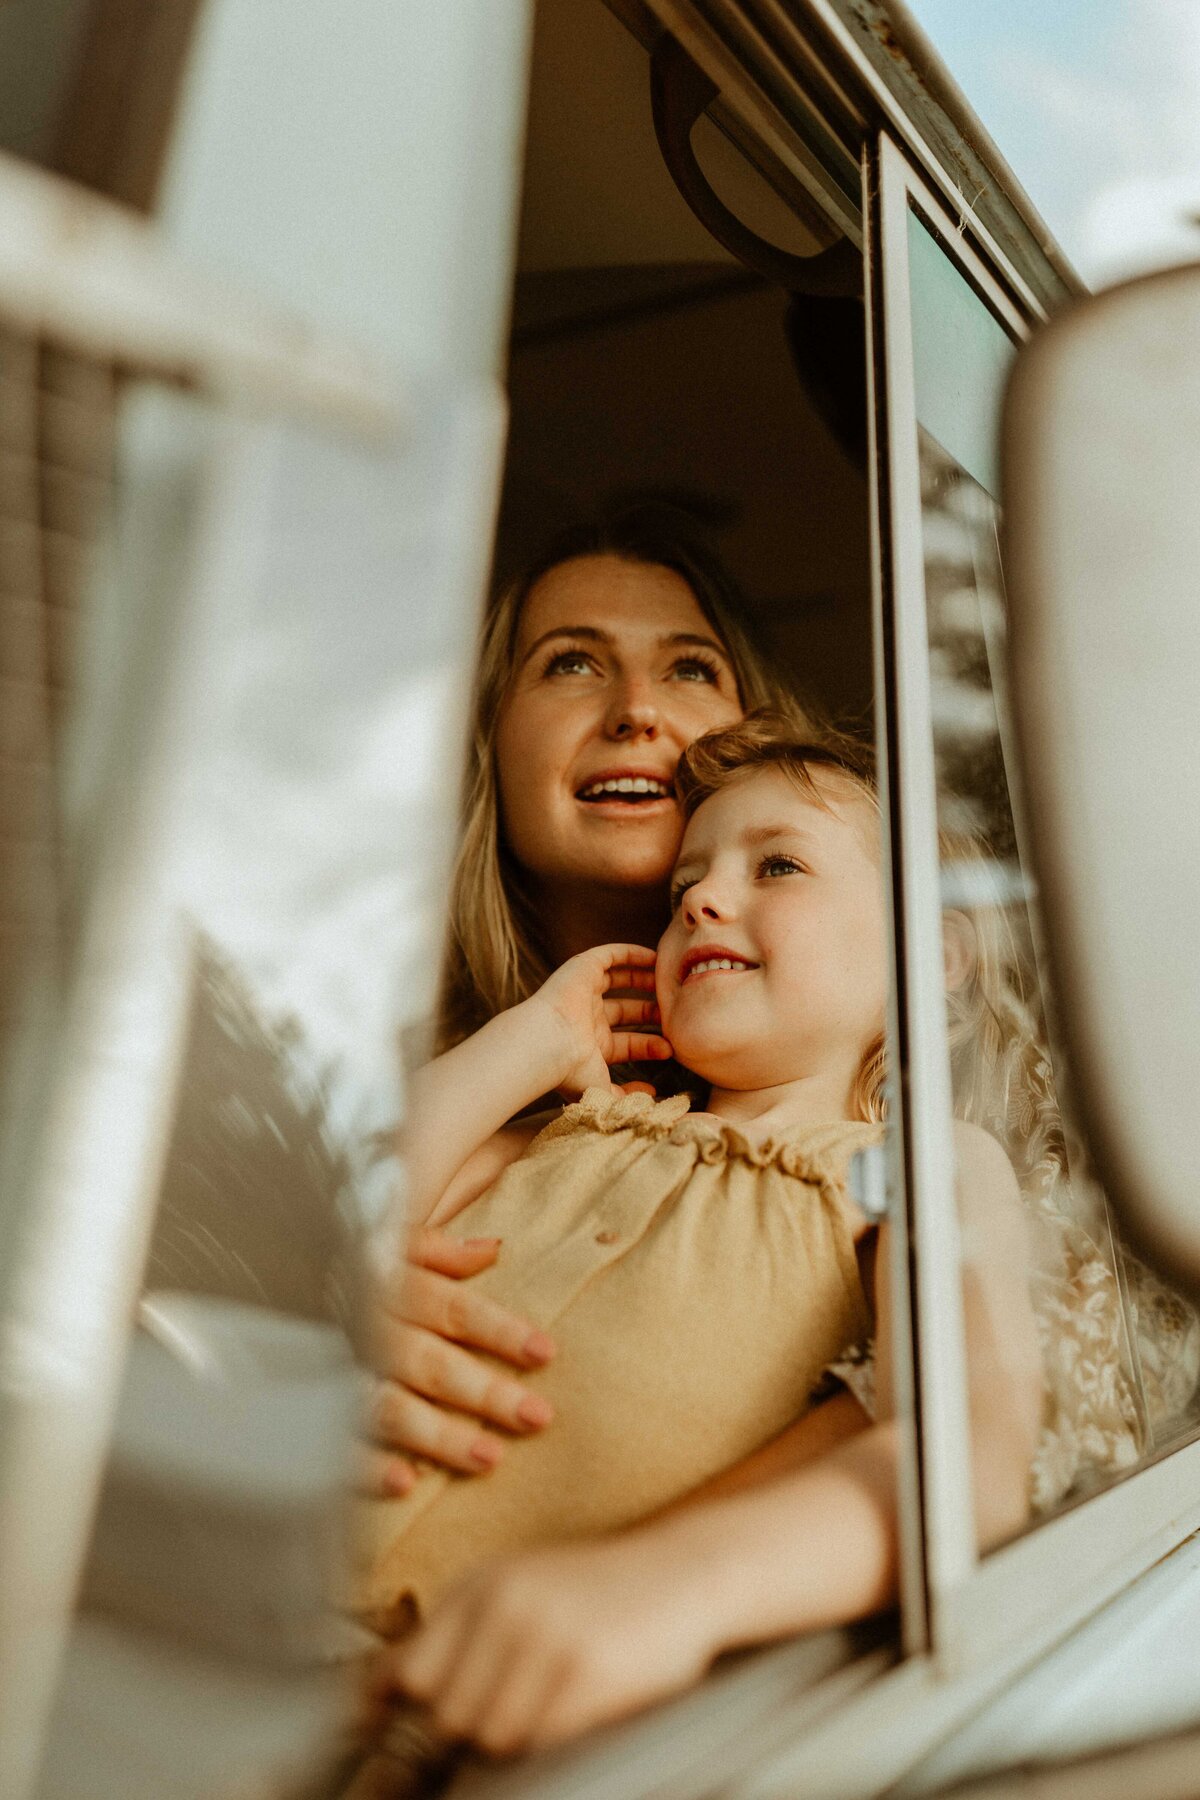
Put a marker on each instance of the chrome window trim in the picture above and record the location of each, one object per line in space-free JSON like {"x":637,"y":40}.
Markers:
{"x":937,"y":99}
{"x":924,"y":1071}
{"x":914,"y":1599}
{"x":1071,"y":1564}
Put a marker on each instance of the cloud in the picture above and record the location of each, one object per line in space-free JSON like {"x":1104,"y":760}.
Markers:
{"x":1112,"y":135}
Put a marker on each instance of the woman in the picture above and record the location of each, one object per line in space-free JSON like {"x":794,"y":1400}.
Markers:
{"x":599,"y":665}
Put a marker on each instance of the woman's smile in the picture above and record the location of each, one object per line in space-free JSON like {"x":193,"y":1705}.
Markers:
{"x":627,"y":792}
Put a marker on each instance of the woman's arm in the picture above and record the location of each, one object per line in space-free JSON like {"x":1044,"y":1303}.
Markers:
{"x":541,"y":1646}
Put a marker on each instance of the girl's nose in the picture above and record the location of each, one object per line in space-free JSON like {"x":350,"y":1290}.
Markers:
{"x":704,"y":903}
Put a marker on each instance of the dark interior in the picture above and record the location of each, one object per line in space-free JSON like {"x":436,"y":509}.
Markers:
{"x":648,"y":364}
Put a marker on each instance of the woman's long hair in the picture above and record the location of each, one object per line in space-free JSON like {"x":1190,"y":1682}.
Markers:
{"x":495,"y":955}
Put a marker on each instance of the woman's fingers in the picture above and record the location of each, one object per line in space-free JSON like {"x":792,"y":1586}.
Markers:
{"x":442,"y":1371}
{"x":512,"y":1718}
{"x":382,"y":1475}
{"x":401,"y":1417}
{"x":431,"y":1249}
{"x":445,"y":1306}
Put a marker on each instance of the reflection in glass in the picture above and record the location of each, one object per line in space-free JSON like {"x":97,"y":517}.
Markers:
{"x":1121,"y":1350}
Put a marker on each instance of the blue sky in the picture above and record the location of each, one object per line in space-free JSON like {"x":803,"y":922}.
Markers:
{"x":1097,"y":108}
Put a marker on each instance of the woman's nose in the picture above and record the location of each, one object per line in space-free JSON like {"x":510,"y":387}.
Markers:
{"x":632,"y":714}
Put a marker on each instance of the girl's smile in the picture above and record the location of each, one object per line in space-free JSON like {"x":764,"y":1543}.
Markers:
{"x":772,"y":972}
{"x":713,"y":959}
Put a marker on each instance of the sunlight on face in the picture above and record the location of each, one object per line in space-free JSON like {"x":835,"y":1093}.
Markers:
{"x":617,"y":670}
{"x":789,"y":892}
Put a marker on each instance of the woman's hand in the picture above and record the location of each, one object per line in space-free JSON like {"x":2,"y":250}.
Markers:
{"x":592,"y":1013}
{"x":538,"y":1647}
{"x":434,"y":1391}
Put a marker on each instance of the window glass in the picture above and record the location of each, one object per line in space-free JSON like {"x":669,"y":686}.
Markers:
{"x":1119,"y":1351}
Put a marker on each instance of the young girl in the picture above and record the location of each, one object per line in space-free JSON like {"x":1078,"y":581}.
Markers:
{"x":700,"y":1269}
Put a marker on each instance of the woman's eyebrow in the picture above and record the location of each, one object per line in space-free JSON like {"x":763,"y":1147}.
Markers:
{"x":591,"y":632}
{"x":696,"y":638}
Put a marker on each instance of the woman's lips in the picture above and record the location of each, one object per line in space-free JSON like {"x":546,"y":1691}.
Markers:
{"x":626,"y":793}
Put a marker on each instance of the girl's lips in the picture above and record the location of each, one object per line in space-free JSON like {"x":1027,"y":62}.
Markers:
{"x":713,"y":959}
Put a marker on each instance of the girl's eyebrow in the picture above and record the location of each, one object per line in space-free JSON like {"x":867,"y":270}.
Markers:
{"x":762,"y":834}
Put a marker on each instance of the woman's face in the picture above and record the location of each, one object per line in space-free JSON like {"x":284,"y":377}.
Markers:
{"x":616,"y":671}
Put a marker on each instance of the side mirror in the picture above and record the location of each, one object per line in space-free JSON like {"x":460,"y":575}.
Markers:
{"x":1101,"y":461}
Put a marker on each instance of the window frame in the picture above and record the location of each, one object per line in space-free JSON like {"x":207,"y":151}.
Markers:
{"x":978,"y":1609}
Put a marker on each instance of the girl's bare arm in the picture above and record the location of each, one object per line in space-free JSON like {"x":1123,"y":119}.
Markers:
{"x":564,"y":1036}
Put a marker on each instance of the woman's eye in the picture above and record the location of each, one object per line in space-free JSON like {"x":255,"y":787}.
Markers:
{"x":696,"y":668}
{"x":569,"y":662}
{"x":774,"y":866}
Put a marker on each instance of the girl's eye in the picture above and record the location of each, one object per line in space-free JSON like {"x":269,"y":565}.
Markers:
{"x":569,"y":662}
{"x":678,"y":890}
{"x":774,"y":866}
{"x":696,"y":668}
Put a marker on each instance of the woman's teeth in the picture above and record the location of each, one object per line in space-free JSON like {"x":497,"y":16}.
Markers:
{"x":717,"y":962}
{"x":626,"y":784}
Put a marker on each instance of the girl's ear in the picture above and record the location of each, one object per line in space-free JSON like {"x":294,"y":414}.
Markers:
{"x":960,"y":949}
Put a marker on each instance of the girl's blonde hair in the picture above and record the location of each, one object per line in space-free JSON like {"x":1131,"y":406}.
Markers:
{"x":495,"y":953}
{"x":998,"y":1059}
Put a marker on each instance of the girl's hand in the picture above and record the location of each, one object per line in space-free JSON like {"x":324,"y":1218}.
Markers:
{"x":541,"y":1646}
{"x":433,"y":1391}
{"x":586,"y":1010}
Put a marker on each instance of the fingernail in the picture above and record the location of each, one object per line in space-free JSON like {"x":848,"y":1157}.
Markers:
{"x":485,"y":1455}
{"x":538,"y":1348}
{"x":482,"y":1243}
{"x":535,"y":1411}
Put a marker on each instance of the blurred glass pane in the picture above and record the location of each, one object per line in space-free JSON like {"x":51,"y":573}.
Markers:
{"x":1121,"y":1350}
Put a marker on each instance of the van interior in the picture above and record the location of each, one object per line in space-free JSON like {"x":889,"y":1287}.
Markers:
{"x":650,"y":364}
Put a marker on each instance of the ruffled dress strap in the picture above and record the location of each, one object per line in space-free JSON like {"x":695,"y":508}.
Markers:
{"x":818,"y":1154}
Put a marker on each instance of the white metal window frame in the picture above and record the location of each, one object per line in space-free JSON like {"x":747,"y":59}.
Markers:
{"x":1067,"y":1567}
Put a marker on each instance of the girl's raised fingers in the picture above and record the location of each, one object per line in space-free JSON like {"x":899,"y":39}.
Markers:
{"x":631,"y":1012}
{"x":634,"y":980}
{"x":639,"y":1046}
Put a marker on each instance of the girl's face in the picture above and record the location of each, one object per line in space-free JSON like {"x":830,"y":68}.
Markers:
{"x":617,"y":670}
{"x":790,"y":893}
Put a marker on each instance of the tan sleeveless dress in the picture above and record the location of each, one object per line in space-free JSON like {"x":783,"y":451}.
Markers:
{"x":696,"y":1287}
